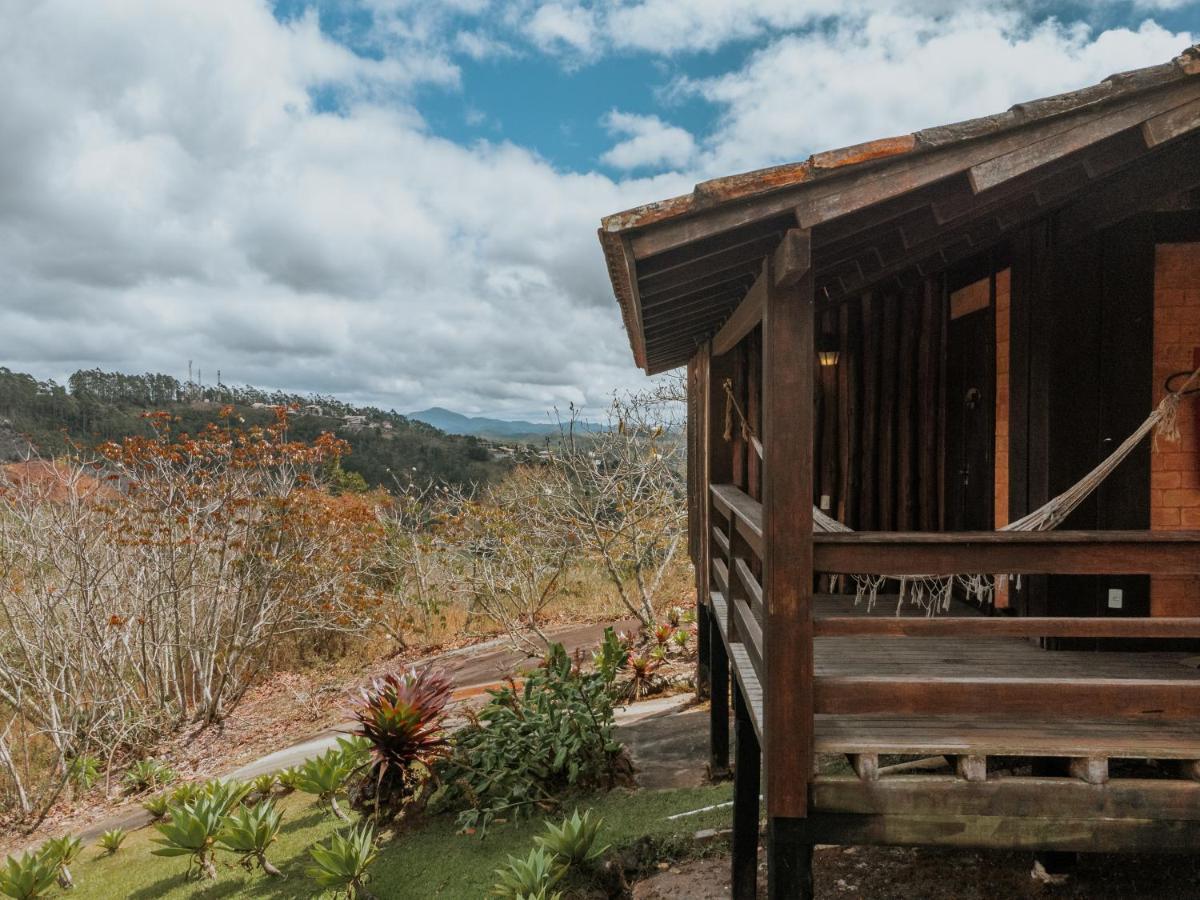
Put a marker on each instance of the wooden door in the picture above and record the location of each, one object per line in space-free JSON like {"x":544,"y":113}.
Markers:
{"x":970,"y":421}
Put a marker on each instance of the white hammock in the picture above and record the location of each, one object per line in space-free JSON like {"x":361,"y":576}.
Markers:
{"x":933,"y":592}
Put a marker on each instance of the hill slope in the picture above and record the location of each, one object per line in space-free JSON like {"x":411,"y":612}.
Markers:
{"x":453,"y":422}
{"x":97,"y":406}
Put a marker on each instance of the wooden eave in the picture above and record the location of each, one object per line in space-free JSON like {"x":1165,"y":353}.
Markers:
{"x":905,"y":206}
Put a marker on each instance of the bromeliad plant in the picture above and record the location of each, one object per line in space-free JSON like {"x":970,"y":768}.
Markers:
{"x":28,"y":876}
{"x":401,"y":716}
{"x":341,"y":865}
{"x":249,"y":832}
{"x":192,"y":831}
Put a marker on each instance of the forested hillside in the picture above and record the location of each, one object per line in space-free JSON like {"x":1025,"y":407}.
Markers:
{"x":96,"y":406}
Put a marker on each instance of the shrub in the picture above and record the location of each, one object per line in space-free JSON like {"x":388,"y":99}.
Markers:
{"x":191,"y":832}
{"x":61,"y":852}
{"x":533,"y":876}
{"x":530,"y":747}
{"x":157,"y":805}
{"x":28,"y":876}
{"x":574,"y":841}
{"x":400,"y":718}
{"x":147,"y":773}
{"x":110,"y":842}
{"x":249,"y":832}
{"x":611,"y":656}
{"x":342,"y":863}
{"x":326,"y":777}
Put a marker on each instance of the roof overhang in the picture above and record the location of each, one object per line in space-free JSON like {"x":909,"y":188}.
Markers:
{"x":904,"y":206}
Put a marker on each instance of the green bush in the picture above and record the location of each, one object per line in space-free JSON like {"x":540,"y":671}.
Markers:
{"x":157,"y":805}
{"x":530,"y":748}
{"x":342,"y":863}
{"x":533,"y":876}
{"x":289,"y":779}
{"x":249,"y":833}
{"x":84,"y":771}
{"x":28,"y":876}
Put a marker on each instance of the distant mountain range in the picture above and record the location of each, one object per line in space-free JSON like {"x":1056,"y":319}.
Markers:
{"x":452,"y":422}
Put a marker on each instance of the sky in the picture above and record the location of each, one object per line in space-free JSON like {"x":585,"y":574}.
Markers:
{"x":396,"y":201}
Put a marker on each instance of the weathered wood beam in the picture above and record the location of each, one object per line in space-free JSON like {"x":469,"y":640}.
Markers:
{"x":1069,"y":698}
{"x":730,"y":501}
{"x":789,"y":323}
{"x":1006,"y":626}
{"x":793,"y":258}
{"x":745,"y":318}
{"x":1010,"y":552}
{"x":1171,"y":124}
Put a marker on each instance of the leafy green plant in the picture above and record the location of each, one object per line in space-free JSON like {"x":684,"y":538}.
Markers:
{"x":249,"y":832}
{"x":326,"y":777}
{"x":342,"y":863}
{"x":192,"y":831}
{"x":681,"y":638}
{"x":185,"y":793}
{"x":148,"y":773}
{"x":61,"y":853}
{"x":84,"y":771}
{"x":157,"y":805}
{"x":611,"y":656}
{"x":262,"y":786}
{"x":28,"y":876}
{"x":289,"y":779}
{"x":227,"y":793}
{"x":533,"y":876}
{"x":531,"y":747}
{"x":574,"y":841}
{"x":400,"y":719}
{"x":110,"y":841}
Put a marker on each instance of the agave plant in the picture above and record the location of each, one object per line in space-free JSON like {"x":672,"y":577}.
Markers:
{"x":110,"y":841}
{"x":185,"y":793}
{"x":574,"y":841}
{"x":147,"y":773}
{"x":400,"y":718}
{"x":28,"y":876}
{"x":289,"y":779}
{"x":342,"y":863}
{"x":262,"y":786}
{"x":249,"y":832}
{"x":157,"y":805}
{"x":326,"y":777}
{"x":226,"y":793}
{"x":61,"y":852}
{"x":533,"y":876}
{"x":192,"y":831}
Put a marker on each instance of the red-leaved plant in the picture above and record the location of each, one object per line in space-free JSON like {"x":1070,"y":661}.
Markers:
{"x":402,"y":717}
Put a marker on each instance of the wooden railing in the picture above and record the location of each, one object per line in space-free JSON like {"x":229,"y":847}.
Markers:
{"x":736,"y":553}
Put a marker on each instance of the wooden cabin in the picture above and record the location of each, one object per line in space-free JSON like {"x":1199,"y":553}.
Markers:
{"x":929,"y":336}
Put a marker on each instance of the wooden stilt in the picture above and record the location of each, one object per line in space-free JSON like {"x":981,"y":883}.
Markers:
{"x":703,"y":650}
{"x":718,"y":677}
{"x":747,"y":783}
{"x":789,"y":860}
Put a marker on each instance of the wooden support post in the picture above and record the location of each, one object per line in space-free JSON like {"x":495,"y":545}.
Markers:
{"x":972,"y":767}
{"x":718,"y":710}
{"x":1090,"y":769}
{"x":789,"y":362}
{"x":699,"y":392}
{"x":789,"y":860}
{"x":747,"y":783}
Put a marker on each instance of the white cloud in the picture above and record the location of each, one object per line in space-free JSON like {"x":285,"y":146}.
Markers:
{"x":649,"y":142}
{"x":892,"y":74}
{"x":170,"y":193}
{"x":567,"y":28}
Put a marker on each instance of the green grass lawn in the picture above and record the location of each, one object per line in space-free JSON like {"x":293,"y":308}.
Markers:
{"x":432,"y":861}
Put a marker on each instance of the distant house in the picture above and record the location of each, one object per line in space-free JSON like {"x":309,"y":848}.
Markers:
{"x":354,"y":423}
{"x":311,"y":409}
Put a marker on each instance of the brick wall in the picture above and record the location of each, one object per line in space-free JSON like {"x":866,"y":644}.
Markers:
{"x":1175,"y":468}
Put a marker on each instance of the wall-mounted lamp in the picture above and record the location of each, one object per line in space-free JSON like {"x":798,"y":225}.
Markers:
{"x":827,"y":348}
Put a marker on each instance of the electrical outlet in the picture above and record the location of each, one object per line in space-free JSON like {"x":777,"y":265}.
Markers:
{"x":1116,"y":598}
